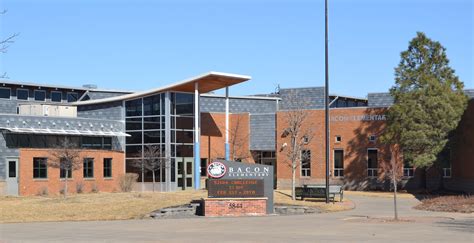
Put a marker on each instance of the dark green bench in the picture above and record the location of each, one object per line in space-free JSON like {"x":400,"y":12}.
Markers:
{"x":319,"y":191}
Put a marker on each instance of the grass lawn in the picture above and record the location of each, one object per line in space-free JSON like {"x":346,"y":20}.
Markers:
{"x":379,"y":194}
{"x":113,"y":206}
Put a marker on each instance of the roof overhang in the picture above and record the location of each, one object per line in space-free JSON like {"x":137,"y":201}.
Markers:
{"x":47,"y":131}
{"x":206,"y":83}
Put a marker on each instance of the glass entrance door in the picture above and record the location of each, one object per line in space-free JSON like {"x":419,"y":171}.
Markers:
{"x":185,"y":172}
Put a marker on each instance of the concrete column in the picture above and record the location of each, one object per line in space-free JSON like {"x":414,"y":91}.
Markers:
{"x":227,"y":148}
{"x":197,"y":135}
{"x":168,"y":142}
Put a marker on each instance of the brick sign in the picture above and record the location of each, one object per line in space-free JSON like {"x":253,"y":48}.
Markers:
{"x":235,"y":188}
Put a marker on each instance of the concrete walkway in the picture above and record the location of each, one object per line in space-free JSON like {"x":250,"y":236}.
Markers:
{"x":341,"y":226}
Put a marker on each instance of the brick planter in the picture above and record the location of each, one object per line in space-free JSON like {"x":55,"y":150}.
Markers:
{"x":214,"y":207}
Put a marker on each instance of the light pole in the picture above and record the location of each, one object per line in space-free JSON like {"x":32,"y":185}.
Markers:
{"x":326,"y":97}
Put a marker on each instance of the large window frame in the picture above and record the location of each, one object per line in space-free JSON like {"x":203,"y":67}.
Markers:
{"x":372,"y":172}
{"x":40,"y":168}
{"x":88,"y":168}
{"x":9,"y":92}
{"x":37,"y":91}
{"x":60,"y":96}
{"x":107,"y":168}
{"x":338,"y":171}
{"x":305,"y":160}
{"x":27,"y":93}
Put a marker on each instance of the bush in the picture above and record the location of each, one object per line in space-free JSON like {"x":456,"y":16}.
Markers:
{"x":43,"y":191}
{"x":127,"y":181}
{"x":79,"y":187}
{"x":94,"y":188}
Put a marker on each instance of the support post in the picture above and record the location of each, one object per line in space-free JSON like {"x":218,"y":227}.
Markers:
{"x":197,"y":135}
{"x":227,"y":148}
{"x":326,"y":97}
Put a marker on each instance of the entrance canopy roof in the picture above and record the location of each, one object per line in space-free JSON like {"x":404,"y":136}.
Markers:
{"x":47,"y":131}
{"x":207,"y":82}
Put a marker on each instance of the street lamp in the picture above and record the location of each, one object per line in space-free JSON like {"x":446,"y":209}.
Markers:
{"x":326,"y":97}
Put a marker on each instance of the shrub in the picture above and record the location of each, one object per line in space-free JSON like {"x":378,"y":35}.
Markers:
{"x":79,"y":187}
{"x":43,"y":191}
{"x":94,"y":188}
{"x":127,"y":181}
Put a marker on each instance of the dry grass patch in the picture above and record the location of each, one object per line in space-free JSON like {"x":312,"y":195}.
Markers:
{"x":459,"y":204}
{"x":284,"y":197}
{"x":114,"y":206}
{"x":94,"y":206}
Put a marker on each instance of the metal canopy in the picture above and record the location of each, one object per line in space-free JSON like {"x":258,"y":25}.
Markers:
{"x":64,"y":132}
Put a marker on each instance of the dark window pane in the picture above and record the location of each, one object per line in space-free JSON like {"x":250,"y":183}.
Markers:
{"x":184,"y":137}
{"x":22,"y":94}
{"x":56,"y":96}
{"x":151,"y":105}
{"x":88,"y":168}
{"x":40,"y":168}
{"x":152,"y":123}
{"x":184,"y":104}
{"x":133,"y":107}
{"x":4,"y":93}
{"x":72,"y":97}
{"x":203,"y":167}
{"x":372,"y":159}
{"x":184,"y":150}
{"x":107,"y":143}
{"x":189,"y":182}
{"x":133,"y":124}
{"x":338,"y":159}
{"x":184,"y":123}
{"x":40,"y":95}
{"x":107,"y":167}
{"x":152,"y":137}
{"x":12,"y":169}
{"x":133,"y":151}
{"x":92,"y":142}
{"x":135,"y":138}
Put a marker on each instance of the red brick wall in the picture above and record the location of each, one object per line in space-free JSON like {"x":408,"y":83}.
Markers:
{"x":355,"y":142}
{"x":30,"y":186}
{"x":234,"y":207}
{"x":213,"y":136}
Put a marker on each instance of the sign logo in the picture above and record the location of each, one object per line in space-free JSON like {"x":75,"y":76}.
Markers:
{"x":216,"y":169}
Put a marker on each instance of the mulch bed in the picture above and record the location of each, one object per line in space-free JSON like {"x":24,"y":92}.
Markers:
{"x":458,"y":204}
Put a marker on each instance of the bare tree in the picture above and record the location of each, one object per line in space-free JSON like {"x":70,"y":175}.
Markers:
{"x":299,"y":129}
{"x":154,"y":159}
{"x":237,"y":140}
{"x":65,"y":157}
{"x":394,"y":171}
{"x":4,"y":43}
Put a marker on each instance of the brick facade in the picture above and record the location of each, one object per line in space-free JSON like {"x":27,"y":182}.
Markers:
{"x":214,"y":207}
{"x":31,"y":186}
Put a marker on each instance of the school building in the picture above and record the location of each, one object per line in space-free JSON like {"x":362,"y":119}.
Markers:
{"x":193,"y":127}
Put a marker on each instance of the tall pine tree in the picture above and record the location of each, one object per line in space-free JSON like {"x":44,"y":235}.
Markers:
{"x":428,"y":102}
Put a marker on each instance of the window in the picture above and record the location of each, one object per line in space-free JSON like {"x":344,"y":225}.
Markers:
{"x":40,"y":168}
{"x":107,"y":167}
{"x":408,"y":170}
{"x":338,"y":163}
{"x":107,"y":143}
{"x":372,"y":138}
{"x":203,"y":167}
{"x":56,"y":96}
{"x":305,"y":139}
{"x":62,"y":170}
{"x":372,"y":163}
{"x":72,"y":96}
{"x":5,"y":93}
{"x":306,"y":163}
{"x":40,"y":95}
{"x":88,"y":168}
{"x":338,"y":139}
{"x":22,"y":94}
{"x":11,"y":169}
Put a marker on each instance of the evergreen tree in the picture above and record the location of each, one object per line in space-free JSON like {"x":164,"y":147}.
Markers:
{"x":428,"y":102}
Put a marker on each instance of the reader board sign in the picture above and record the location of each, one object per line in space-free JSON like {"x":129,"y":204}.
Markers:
{"x":235,"y":188}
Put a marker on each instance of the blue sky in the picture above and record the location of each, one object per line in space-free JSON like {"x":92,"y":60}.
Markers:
{"x":136,"y":45}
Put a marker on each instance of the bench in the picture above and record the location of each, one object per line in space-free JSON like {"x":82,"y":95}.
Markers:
{"x":319,"y":191}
